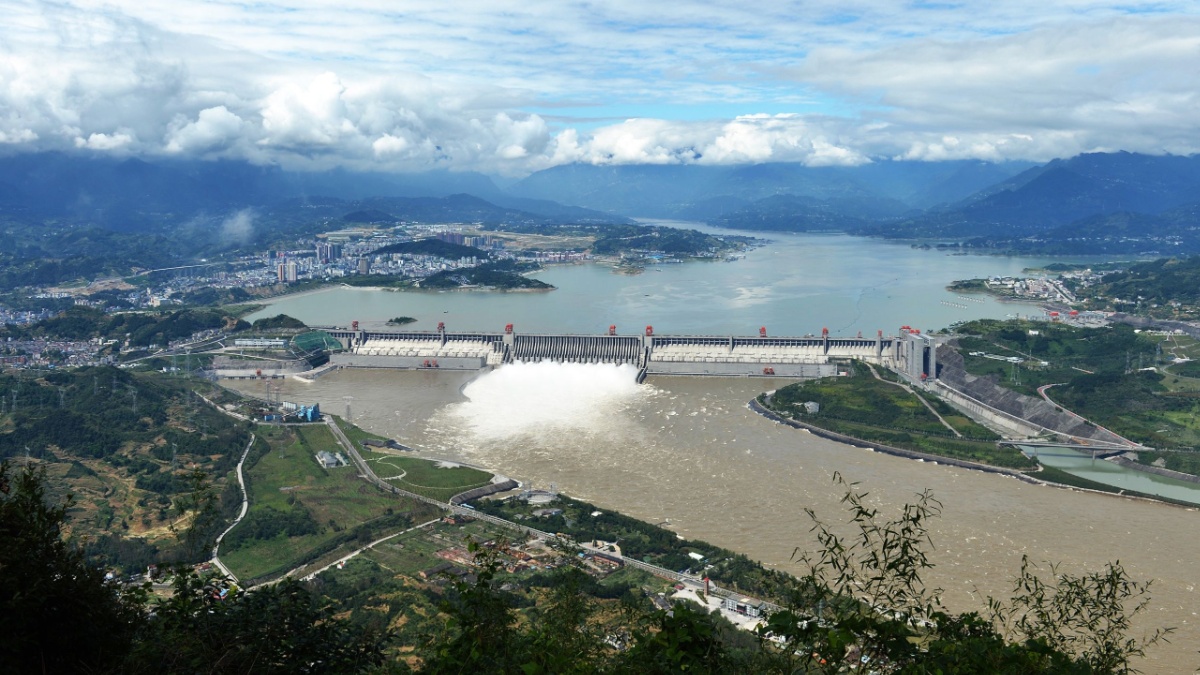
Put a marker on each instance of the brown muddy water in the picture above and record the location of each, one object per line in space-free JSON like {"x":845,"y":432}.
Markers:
{"x":688,"y":451}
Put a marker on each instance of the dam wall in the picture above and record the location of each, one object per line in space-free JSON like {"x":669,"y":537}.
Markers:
{"x":351,"y":360}
{"x":761,"y":356}
{"x":618,"y":349}
{"x":735,"y":369}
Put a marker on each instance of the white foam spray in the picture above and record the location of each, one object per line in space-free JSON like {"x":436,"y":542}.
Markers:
{"x":547,"y":400}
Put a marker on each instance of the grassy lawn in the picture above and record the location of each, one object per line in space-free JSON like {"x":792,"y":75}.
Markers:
{"x":288,"y":480}
{"x":355,"y":434}
{"x":425,"y":477}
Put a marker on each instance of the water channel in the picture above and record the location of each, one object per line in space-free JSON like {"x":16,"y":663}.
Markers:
{"x":688,"y":451}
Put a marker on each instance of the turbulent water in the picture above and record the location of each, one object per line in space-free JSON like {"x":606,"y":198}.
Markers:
{"x":688,"y":451}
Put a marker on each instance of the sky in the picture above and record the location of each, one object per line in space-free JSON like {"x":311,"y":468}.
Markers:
{"x":509,"y":88}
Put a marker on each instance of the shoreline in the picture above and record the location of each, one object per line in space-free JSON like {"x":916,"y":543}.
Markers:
{"x":266,"y":302}
{"x":902,"y":453}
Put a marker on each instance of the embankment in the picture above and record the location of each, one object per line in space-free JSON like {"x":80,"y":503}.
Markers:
{"x":887,"y":449}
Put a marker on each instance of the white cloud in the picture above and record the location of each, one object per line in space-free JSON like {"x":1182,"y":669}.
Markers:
{"x":214,"y":128}
{"x":307,"y":83}
{"x":314,"y":114}
{"x":104,"y":142}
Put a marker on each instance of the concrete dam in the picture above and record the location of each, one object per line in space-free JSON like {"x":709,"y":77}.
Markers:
{"x":652,"y":354}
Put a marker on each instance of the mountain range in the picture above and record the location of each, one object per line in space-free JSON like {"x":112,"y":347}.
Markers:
{"x":1103,"y":202}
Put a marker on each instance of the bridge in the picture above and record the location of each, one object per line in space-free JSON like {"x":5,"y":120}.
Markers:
{"x":652,"y":354}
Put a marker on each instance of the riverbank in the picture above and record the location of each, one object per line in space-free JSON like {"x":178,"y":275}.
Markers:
{"x":1078,"y":484}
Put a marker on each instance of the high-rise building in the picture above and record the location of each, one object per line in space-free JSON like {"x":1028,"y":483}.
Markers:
{"x":291,"y":271}
{"x":364,"y":266}
{"x":327,"y":251}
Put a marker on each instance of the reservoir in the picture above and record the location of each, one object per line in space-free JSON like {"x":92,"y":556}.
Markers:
{"x":689,"y":452}
{"x":794,"y":285}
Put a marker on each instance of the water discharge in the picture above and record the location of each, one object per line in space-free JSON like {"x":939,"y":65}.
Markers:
{"x":688,"y":451}
{"x":529,"y":401}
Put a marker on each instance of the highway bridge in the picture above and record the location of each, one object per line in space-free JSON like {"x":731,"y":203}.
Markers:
{"x":652,"y":354}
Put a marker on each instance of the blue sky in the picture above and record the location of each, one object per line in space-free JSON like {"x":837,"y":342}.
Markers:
{"x":513,"y":87}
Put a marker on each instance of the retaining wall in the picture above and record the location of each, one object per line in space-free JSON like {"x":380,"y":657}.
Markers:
{"x":1156,"y":470}
{"x":1035,"y":411}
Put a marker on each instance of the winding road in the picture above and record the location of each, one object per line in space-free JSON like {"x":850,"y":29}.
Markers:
{"x":245,"y":507}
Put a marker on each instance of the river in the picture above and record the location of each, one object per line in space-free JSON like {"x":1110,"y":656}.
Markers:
{"x":795,"y":285}
{"x":688,"y":450}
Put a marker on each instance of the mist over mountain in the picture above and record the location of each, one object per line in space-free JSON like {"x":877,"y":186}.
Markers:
{"x":131,"y":194}
{"x":1118,"y":202}
{"x":1059,"y":193}
{"x":879,"y":189}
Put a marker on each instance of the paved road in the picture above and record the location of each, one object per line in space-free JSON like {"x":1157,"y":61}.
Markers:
{"x":242,"y":514}
{"x":1042,"y":392}
{"x":370,"y":476}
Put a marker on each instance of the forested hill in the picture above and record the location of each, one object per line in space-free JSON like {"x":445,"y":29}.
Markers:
{"x":1160,"y":281}
{"x":1063,"y":192}
{"x":433,"y":247}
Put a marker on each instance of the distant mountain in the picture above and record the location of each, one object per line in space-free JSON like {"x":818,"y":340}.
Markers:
{"x":133,"y":195}
{"x":1063,"y":192}
{"x":882,"y":189}
{"x":788,"y":213}
{"x":366,"y":216}
{"x":1174,"y":232}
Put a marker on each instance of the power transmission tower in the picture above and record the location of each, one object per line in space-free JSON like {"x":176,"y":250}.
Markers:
{"x":347,"y":399}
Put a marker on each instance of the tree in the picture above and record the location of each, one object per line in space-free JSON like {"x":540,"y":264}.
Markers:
{"x":57,"y":614}
{"x":682,"y":640}
{"x":208,"y":626}
{"x":863,"y":601}
{"x":480,"y":636}
{"x":1087,"y":616}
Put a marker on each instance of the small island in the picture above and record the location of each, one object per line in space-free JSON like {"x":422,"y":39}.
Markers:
{"x":401,"y":321}
{"x":504,"y":275}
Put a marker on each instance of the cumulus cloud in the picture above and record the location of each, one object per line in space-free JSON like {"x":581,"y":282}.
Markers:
{"x":116,"y":141}
{"x":214,"y":128}
{"x":744,"y":140}
{"x":306,"y":84}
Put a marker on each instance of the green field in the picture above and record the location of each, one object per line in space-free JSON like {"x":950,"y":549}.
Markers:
{"x":288,"y":487}
{"x":878,"y":411}
{"x":356,"y":434}
{"x":423,"y":476}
